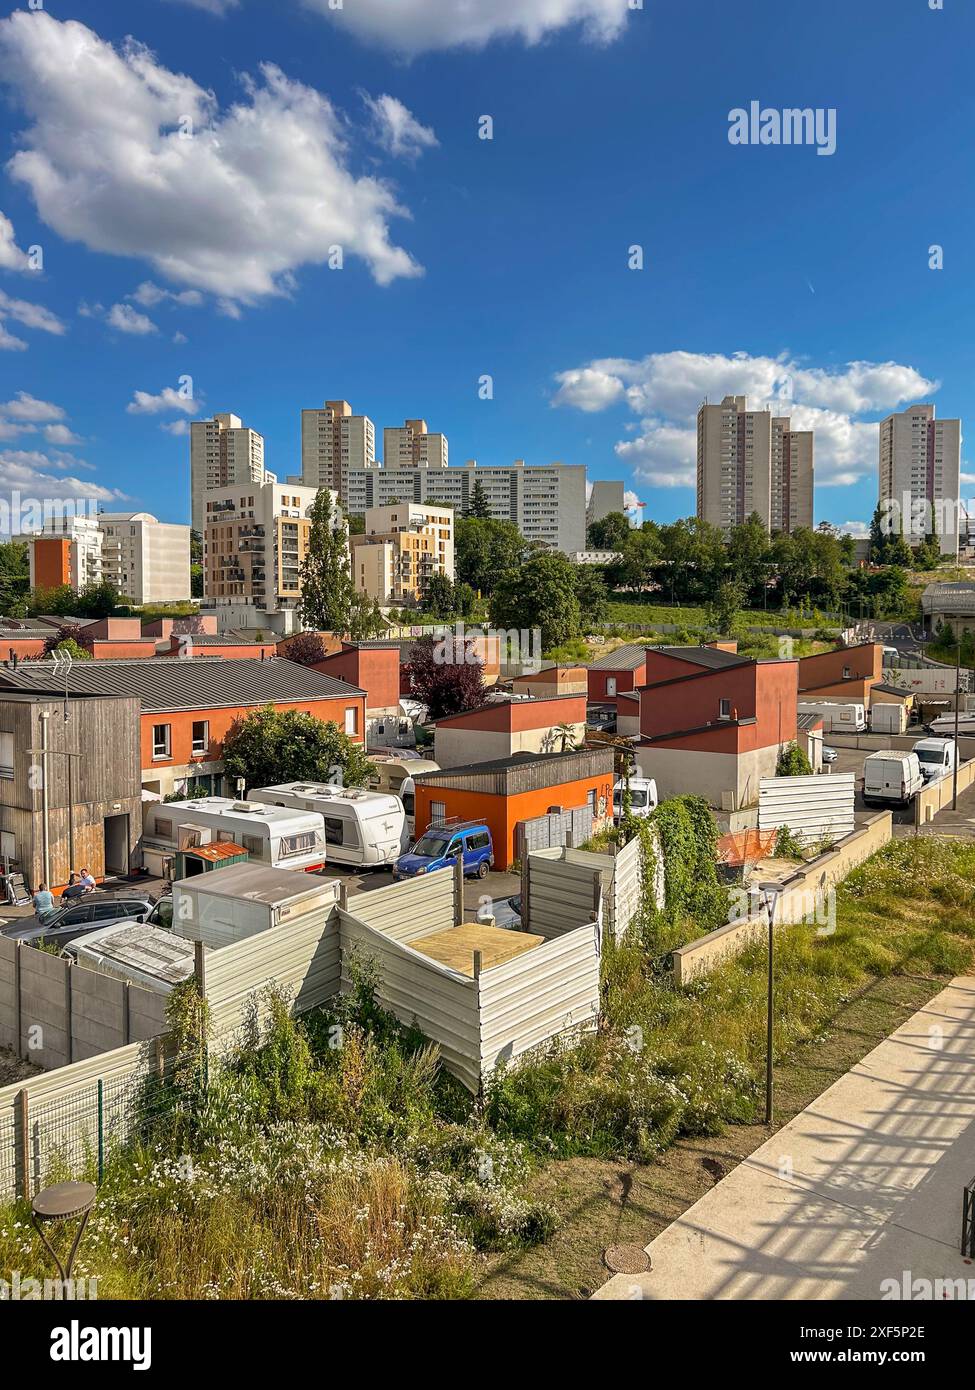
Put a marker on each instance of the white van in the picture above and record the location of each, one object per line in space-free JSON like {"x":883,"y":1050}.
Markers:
{"x":891,"y":778}
{"x":361,"y":827}
{"x":396,"y":775}
{"x":837,"y":716}
{"x":643,"y":797}
{"x":936,"y":756}
{"x":285,"y":839}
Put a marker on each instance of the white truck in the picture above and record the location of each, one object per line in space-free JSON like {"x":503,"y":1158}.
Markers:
{"x":936,"y":756}
{"x":225,"y":907}
{"x":837,"y":717}
{"x":889,"y":778}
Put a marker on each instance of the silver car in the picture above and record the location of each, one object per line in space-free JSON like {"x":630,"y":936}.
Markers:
{"x":78,"y":917}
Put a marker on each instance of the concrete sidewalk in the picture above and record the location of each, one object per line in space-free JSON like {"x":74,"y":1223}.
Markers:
{"x":864,"y":1186}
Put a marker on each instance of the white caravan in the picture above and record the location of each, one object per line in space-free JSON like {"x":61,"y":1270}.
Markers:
{"x":396,"y":775}
{"x":285,"y":839}
{"x":836,"y":716}
{"x":361,"y":827}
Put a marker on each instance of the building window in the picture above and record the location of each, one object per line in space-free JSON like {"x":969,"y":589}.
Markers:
{"x":161,"y":745}
{"x":7,"y":755}
{"x":724,"y":709}
{"x":352,"y":721}
{"x":201,"y":735}
{"x":438,"y":812}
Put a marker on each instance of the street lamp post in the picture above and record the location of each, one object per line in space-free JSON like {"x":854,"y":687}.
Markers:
{"x":770,"y":893}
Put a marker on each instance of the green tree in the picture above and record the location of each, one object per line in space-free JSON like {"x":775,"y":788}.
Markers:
{"x":365,"y":618}
{"x":879,"y":537}
{"x":97,"y":600}
{"x":14,"y":579}
{"x":542,"y":594}
{"x":723,"y":612}
{"x":326,"y":580}
{"x":749,"y":555}
{"x":479,"y":507}
{"x":60,"y":645}
{"x":439,"y":600}
{"x":271,"y":746}
{"x":610,"y":532}
{"x":590,"y":588}
{"x":485,"y":550}
{"x":793,"y":762}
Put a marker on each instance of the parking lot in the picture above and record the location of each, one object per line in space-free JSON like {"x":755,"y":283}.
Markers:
{"x":958,"y":822}
{"x":478,"y":892}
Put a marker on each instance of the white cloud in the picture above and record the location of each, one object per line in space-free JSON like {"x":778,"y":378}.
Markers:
{"x":143,"y":403}
{"x":11,"y":256}
{"x":28,"y":408}
{"x":9,"y":342}
{"x":414,"y":26}
{"x":217,"y":7}
{"x":177,"y":427}
{"x":665,"y":390}
{"x":60,"y":434}
{"x":30,"y":315}
{"x":128,"y":320}
{"x":149,"y":295}
{"x":859,"y":530}
{"x":396,"y":129}
{"x":35,"y":474}
{"x":180,"y":338}
{"x":233,"y":202}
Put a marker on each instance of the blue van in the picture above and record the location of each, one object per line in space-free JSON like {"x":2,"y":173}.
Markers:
{"x":439,"y":846}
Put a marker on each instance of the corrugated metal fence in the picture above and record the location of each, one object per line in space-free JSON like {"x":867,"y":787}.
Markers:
{"x":563,"y":886}
{"x":558,"y":828}
{"x":813,"y":808}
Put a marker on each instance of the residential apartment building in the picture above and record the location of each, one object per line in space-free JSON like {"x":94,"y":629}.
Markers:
{"x":334,"y":442}
{"x":547,"y":502}
{"x":920,"y":465}
{"x":255,"y":539}
{"x":223,"y":451}
{"x":147,"y":560}
{"x":67,"y":551}
{"x":604,"y":498}
{"x":411,"y":445}
{"x":748,"y":461}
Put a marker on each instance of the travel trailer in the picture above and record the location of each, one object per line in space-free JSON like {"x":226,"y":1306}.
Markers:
{"x":891,"y":778}
{"x":364,"y":828}
{"x":396,"y":775}
{"x":134,"y":951}
{"x":283,"y":838}
{"x":836,"y":717}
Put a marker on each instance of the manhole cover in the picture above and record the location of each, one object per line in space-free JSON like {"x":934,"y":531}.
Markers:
{"x":626,"y":1259}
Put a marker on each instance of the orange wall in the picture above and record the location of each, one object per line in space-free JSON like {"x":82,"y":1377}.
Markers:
{"x":502,"y":814}
{"x":21,"y":648}
{"x":182,"y":645}
{"x":373,"y":669}
{"x":52,"y":562}
{"x":181,"y":728}
{"x":108,"y":650}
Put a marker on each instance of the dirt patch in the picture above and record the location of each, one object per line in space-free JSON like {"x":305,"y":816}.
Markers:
{"x":13,"y":1069}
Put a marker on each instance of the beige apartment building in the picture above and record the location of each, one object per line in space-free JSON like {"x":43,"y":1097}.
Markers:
{"x":147,"y":560}
{"x":920,"y":467}
{"x":333,"y":442}
{"x":412,"y":446}
{"x":403,"y":546}
{"x":255,"y":540}
{"x":223,"y":453}
{"x":749,"y":462}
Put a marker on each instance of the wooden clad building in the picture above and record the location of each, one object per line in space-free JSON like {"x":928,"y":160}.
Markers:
{"x":79,"y":803}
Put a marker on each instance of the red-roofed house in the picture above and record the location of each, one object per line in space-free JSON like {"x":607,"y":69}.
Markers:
{"x":375,"y":668}
{"x":713,"y":723}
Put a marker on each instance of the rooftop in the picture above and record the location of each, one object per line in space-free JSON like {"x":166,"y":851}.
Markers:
{"x":257,"y":883}
{"x":164,"y":686}
{"x":627,"y":658}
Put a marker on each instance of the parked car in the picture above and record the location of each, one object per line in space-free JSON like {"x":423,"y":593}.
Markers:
{"x":829,"y":754}
{"x":78,"y":918}
{"x":506,"y":913}
{"x":440,"y":845}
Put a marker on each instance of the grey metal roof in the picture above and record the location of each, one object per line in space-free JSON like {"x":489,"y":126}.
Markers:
{"x":711,"y":657}
{"x":222,"y":639}
{"x":259,"y":883}
{"x":521,"y":772}
{"x":169,"y":685}
{"x":808,"y":721}
{"x":626,"y":658}
{"x":889,"y":689}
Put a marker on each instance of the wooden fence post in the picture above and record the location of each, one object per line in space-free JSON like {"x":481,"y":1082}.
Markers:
{"x":22,"y":1110}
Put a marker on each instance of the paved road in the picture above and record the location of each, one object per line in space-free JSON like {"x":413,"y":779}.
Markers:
{"x":865,"y":1185}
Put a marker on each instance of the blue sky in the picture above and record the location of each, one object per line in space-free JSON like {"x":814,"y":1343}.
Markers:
{"x":465,"y":257}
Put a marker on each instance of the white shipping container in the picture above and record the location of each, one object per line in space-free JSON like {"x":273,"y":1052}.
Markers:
{"x":888,"y":718}
{"x":229,"y":905}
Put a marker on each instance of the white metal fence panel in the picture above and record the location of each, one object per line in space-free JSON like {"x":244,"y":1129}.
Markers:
{"x":813,"y":808}
{"x":554,"y":830}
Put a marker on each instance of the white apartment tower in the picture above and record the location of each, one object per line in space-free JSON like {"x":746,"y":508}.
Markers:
{"x":412,"y":446}
{"x":147,"y":560}
{"x":333,"y":442}
{"x":223,"y":452}
{"x":748,"y":461}
{"x":920,"y":465}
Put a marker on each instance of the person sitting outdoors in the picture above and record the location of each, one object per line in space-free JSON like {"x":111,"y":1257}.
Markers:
{"x":44,"y":903}
{"x":75,"y":888}
{"x":87,"y":882}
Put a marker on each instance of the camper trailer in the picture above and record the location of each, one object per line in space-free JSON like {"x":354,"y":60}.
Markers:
{"x":282,"y":838}
{"x":397,"y":775}
{"x":136,"y":952}
{"x":837,"y":717}
{"x":364,"y":828}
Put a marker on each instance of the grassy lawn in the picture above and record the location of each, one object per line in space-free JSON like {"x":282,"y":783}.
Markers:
{"x":625,"y":608}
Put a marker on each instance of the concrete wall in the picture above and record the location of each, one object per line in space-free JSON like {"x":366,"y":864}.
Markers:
{"x":54,"y":1012}
{"x":727,"y":781}
{"x":938,"y":795}
{"x":797,"y":902}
